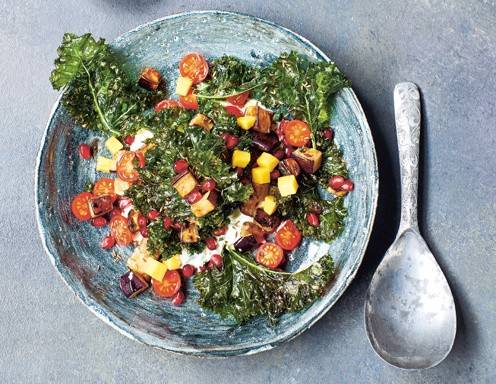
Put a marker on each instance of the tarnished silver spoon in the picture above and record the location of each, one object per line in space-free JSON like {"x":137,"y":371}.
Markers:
{"x":410,"y":314}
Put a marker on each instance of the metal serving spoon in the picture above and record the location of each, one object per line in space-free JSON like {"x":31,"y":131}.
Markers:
{"x":410,"y":314}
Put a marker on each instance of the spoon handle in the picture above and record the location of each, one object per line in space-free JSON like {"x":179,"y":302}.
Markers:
{"x":407,"y":113}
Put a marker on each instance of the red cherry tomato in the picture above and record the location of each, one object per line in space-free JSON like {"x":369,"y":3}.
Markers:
{"x":99,"y":222}
{"x":194,"y":66}
{"x":125,"y":167}
{"x":108,"y":242}
{"x":180,"y":165}
{"x":129,"y":139}
{"x":313,"y":219}
{"x":169,"y":286}
{"x":288,"y":236}
{"x":85,"y":151}
{"x":189,"y":101}
{"x":208,"y":185}
{"x":80,"y":206}
{"x":296,"y":132}
{"x":153,"y":214}
{"x":233,"y":110}
{"x":239,"y":100}
{"x":166,"y":104}
{"x":120,"y":231}
{"x":188,"y":270}
{"x":220,"y":231}
{"x":178,"y":298}
{"x":270,"y":255}
{"x":211,"y":243}
{"x":104,"y":186}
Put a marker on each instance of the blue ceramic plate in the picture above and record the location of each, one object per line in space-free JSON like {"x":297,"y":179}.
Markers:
{"x":74,"y":249}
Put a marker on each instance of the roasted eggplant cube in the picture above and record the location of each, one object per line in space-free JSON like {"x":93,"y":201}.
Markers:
{"x":289,"y":167}
{"x":309,"y":159}
{"x":264,"y":121}
{"x":245,"y":243}
{"x":268,"y":222}
{"x":132,"y":284}
{"x":200,"y":120}
{"x":249,"y":207}
{"x":264,"y":142}
{"x":150,"y":79}
{"x":184,"y":183}
{"x":205,"y":205}
{"x":253,"y":229}
{"x":189,"y":234}
{"x":261,"y":190}
{"x":100,"y":205}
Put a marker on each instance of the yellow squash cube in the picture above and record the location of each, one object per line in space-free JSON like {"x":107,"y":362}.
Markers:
{"x":268,"y":204}
{"x":260,"y":175}
{"x":183,"y":85}
{"x":268,"y":161}
{"x":174,"y":262}
{"x":287,"y":185}
{"x":155,"y":269}
{"x":113,"y":145}
{"x":240,"y":158}
{"x":104,"y":164}
{"x":246,"y":122}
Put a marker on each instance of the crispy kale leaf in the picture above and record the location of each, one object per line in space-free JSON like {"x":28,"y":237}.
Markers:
{"x":98,"y":93}
{"x":244,"y":289}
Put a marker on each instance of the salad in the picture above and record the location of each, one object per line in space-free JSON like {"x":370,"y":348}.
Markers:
{"x":219,"y":183}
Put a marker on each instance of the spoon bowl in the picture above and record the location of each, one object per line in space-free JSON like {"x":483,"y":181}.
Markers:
{"x":410,"y":314}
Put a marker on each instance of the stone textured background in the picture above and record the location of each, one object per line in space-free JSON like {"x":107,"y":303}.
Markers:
{"x":447,"y":47}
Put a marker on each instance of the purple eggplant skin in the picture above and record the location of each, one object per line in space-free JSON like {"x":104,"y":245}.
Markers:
{"x":132,"y":284}
{"x":245,"y":243}
{"x":265,"y":142}
{"x":268,"y":222}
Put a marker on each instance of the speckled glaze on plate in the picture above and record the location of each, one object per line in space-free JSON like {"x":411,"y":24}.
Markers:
{"x":74,"y":247}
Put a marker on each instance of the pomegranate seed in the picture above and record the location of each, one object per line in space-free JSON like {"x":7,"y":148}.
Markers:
{"x":328,"y":134}
{"x":275,"y":174}
{"x":141,"y":221}
{"x":124,"y":202}
{"x":216,"y":259}
{"x":178,"y":298}
{"x":231,"y":141}
{"x":210,"y":265}
{"x":180,"y":165}
{"x":336,"y":182}
{"x":99,"y":222}
{"x":220,"y":231}
{"x":288,"y":151}
{"x":115,"y":212}
{"x":188,"y":270}
{"x":194,"y":197}
{"x":313,"y":219}
{"x":153,"y":214}
{"x":167,"y":222}
{"x":129,"y":139}
{"x":347,"y":185}
{"x":211,"y":243}
{"x":279,"y":153}
{"x":208,"y":185}
{"x":108,"y":242}
{"x":144,"y":231}
{"x":85,"y":151}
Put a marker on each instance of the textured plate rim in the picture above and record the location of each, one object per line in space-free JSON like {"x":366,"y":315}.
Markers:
{"x":135,"y":333}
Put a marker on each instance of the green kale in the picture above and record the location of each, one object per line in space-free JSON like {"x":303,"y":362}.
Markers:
{"x":243,"y":289}
{"x":98,"y":94}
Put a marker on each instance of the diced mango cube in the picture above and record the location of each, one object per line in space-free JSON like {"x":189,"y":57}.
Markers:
{"x":240,"y":158}
{"x":113,"y":145}
{"x":183,"y":85}
{"x":246,"y":122}
{"x":260,"y":175}
{"x":268,"y":161}
{"x":287,"y":185}
{"x":173,"y":262}
{"x":155,"y":269}
{"x":104,"y":164}
{"x":268,"y":204}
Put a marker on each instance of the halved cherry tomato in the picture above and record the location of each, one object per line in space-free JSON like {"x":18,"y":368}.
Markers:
{"x":296,"y":132}
{"x":80,"y":206}
{"x":169,"y":286}
{"x":270,"y":255}
{"x":239,"y":100}
{"x":194,"y":66}
{"x":120,"y":231}
{"x":125,"y":167}
{"x":288,"y":236}
{"x":166,"y":104}
{"x":189,"y":101}
{"x":104,"y":186}
{"x":233,"y":110}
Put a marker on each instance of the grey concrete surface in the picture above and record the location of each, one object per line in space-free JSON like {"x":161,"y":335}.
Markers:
{"x":447,"y":47}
